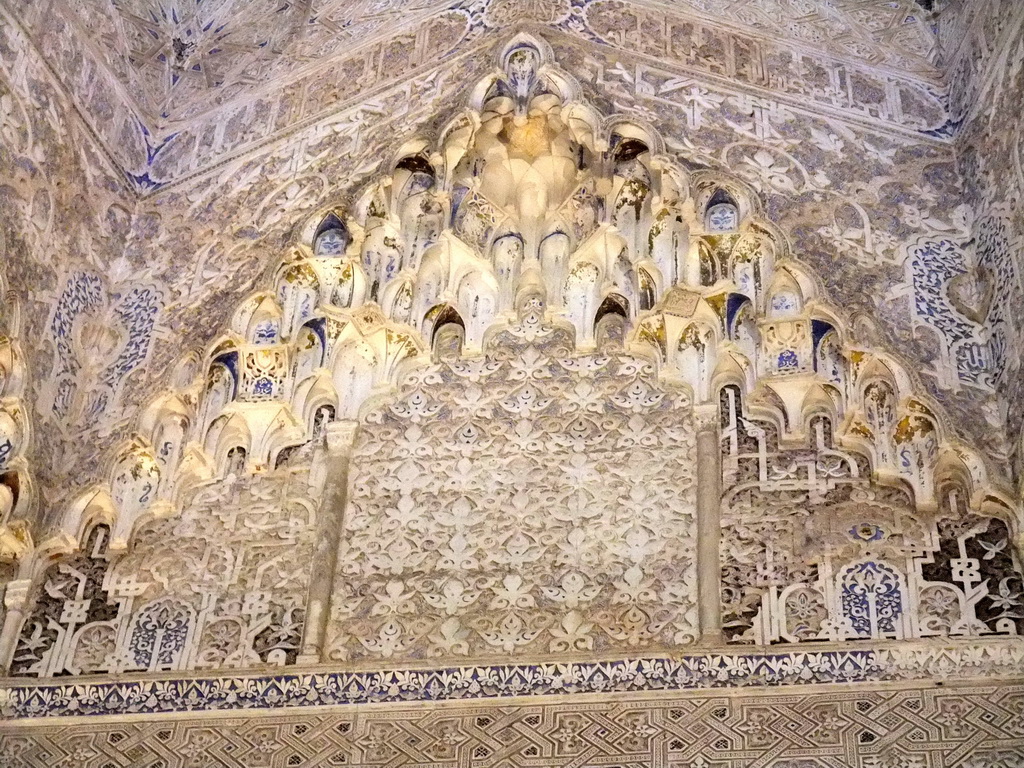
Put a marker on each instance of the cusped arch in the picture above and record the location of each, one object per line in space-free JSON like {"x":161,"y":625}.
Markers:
{"x":754,"y":324}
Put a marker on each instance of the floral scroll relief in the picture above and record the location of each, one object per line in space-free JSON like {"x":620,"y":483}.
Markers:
{"x":222,"y":585}
{"x":528,"y":502}
{"x":812,"y":549}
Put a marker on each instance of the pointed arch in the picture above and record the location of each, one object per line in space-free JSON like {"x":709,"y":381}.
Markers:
{"x":332,"y":237}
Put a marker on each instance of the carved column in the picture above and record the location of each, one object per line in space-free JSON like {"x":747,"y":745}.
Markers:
{"x":15,"y":601}
{"x":709,"y":524}
{"x":330,"y":518}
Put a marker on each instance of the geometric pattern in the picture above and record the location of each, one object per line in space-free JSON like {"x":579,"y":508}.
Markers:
{"x":180,"y":76}
{"x":169,"y":602}
{"x":442,"y":550}
{"x":920,"y":727}
{"x":172,"y":57}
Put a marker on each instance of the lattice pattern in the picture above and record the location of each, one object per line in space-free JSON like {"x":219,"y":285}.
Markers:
{"x":814,"y":550}
{"x":891,"y":729}
{"x":221,"y":585}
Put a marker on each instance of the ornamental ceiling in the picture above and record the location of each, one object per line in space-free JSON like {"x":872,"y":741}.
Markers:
{"x":172,"y":55}
{"x":176,"y":58}
{"x":163,"y":64}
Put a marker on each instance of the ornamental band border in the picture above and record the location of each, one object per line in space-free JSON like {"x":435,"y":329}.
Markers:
{"x":248,"y":691}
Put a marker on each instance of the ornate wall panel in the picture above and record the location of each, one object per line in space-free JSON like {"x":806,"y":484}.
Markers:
{"x":812,"y":550}
{"x":15,"y":435}
{"x":533,"y":501}
{"x":49,"y":230}
{"x":851,"y":90}
{"x":157,"y":70}
{"x":222,"y":584}
{"x":526,"y":318}
{"x":453,"y":242}
{"x":846,"y":194}
{"x":987,"y":80}
{"x":838,"y":166}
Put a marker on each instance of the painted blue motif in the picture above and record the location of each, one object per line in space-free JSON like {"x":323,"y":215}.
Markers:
{"x":159,"y":635}
{"x":331,"y":243}
{"x":137,"y":315}
{"x":448,"y":684}
{"x":933,"y":264}
{"x":871,"y":599}
{"x":263,"y":387}
{"x":723,"y":218}
{"x":266,"y":332}
{"x":867,"y":532}
{"x":133,"y":316}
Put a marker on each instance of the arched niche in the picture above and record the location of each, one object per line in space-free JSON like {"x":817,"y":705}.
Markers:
{"x":331,"y":238}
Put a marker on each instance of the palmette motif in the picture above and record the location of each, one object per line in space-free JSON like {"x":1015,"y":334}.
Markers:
{"x":527,"y":502}
{"x":864,"y":532}
{"x":524,"y":380}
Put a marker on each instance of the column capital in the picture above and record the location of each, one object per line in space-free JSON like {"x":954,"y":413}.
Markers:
{"x":341,"y":435}
{"x":16,"y":594}
{"x":705,"y":417}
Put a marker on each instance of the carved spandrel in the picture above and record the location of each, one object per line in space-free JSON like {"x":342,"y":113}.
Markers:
{"x":223,"y":584}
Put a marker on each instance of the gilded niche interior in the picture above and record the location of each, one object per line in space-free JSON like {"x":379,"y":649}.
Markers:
{"x":542,"y":393}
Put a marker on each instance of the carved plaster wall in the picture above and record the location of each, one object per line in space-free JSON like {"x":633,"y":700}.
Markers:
{"x":987,"y":77}
{"x":532,"y":490}
{"x":55,"y":243}
{"x":596,"y":365}
{"x":844,"y":156}
{"x":15,"y":435}
{"x":893,"y":729}
{"x":262,"y":195}
{"x":559,"y":489}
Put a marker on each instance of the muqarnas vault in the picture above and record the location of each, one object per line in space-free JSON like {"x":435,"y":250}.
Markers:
{"x":543,"y":410}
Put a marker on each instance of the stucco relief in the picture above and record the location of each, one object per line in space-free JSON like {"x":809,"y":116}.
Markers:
{"x":806,"y":167}
{"x":46,"y":158}
{"x":569,"y":340}
{"x":828,"y":182}
{"x":533,"y":501}
{"x":15,"y":435}
{"x":221,"y":583}
{"x":987,"y":80}
{"x":98,"y":341}
{"x":179,"y":75}
{"x":905,"y":728}
{"x":814,"y":548}
{"x":529,"y":315}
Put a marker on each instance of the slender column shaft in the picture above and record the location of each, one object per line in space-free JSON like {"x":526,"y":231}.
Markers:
{"x":709,"y":528}
{"x":15,"y":601}
{"x":330,"y":519}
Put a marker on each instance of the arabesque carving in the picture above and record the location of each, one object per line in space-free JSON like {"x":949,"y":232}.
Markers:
{"x":221,"y":584}
{"x":814,"y":549}
{"x":528,"y":501}
{"x":530,"y":319}
{"x":15,"y":432}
